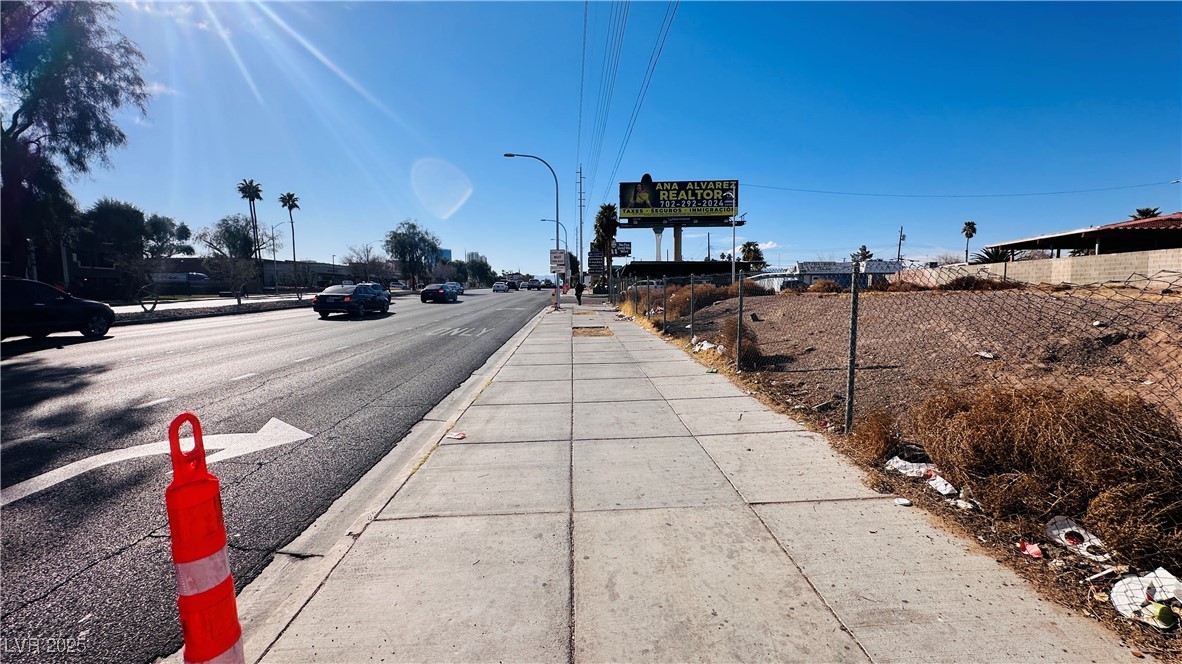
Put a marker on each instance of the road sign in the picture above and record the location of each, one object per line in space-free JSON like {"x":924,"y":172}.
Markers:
{"x":595,"y":262}
{"x":557,"y":260}
{"x":621,"y":248}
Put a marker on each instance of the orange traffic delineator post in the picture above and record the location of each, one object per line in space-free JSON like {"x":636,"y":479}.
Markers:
{"x":205,"y":588}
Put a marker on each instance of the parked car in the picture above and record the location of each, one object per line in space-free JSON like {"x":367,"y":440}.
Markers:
{"x":512,"y":285}
{"x":533,"y":284}
{"x":548,"y":284}
{"x":456,"y":286}
{"x":398,"y":285}
{"x":354,"y":300}
{"x":500,"y":287}
{"x":37,"y":309}
{"x":651,"y":285}
{"x":438,"y":293}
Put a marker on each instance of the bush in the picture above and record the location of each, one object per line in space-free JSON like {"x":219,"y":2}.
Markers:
{"x":727,"y":336}
{"x":1108,"y":461}
{"x":825,"y":286}
{"x":969,"y":282}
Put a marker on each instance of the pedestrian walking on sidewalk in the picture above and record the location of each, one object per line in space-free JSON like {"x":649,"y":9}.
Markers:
{"x":579,"y":291}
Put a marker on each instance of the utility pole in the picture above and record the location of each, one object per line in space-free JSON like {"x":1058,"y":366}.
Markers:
{"x":707,"y":245}
{"x":582,"y":265}
{"x":899,"y":254}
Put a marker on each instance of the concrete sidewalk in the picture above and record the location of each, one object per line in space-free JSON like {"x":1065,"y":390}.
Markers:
{"x":613,"y":502}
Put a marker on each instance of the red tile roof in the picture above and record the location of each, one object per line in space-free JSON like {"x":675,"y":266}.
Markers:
{"x":1164,"y":222}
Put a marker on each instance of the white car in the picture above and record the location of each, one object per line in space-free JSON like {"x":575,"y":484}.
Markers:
{"x":500,"y":287}
{"x":651,"y":285}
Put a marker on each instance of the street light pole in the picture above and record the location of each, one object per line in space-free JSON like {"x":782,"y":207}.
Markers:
{"x":556,"y":247}
{"x":334,"y":269}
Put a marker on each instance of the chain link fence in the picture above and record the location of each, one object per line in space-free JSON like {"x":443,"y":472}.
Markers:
{"x":1053,"y":413}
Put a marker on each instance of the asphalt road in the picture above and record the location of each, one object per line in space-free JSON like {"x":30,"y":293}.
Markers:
{"x":86,"y":562}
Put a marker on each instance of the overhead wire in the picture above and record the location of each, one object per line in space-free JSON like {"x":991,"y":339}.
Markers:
{"x":582,"y":85}
{"x":609,"y":74}
{"x":654,"y":57}
{"x":1013,"y":195}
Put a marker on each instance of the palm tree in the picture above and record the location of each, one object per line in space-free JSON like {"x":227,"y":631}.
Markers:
{"x":968,"y":230}
{"x":290,"y":201}
{"x":1146,"y":213}
{"x":251,"y":192}
{"x":606,"y":225}
{"x":992,"y":255}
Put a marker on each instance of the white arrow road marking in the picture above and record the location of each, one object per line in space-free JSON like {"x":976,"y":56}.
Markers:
{"x":274,"y":433}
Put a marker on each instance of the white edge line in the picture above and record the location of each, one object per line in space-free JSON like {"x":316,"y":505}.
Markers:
{"x":157,"y":402}
{"x":243,"y":376}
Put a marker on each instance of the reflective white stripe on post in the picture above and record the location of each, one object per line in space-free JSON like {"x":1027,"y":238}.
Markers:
{"x":200,"y":575}
{"x":235,"y":655}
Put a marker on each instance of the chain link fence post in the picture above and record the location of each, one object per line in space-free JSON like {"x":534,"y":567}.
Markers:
{"x":853,"y":358}
{"x":739,"y":329}
{"x":664,"y":305}
{"x":692,"y":332}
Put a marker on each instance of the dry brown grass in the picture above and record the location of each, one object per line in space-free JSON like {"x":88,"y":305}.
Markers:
{"x":1028,"y":454}
{"x":727,"y":335}
{"x":874,"y":440}
{"x":591,"y":332}
{"x":824,"y":286}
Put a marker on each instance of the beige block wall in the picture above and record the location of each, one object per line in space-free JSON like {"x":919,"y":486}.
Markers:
{"x":1134,"y":266}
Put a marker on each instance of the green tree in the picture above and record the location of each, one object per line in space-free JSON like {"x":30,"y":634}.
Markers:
{"x":230,"y":251}
{"x":65,"y":71}
{"x":750,"y":252}
{"x":252,"y":191}
{"x":415,"y":248}
{"x":365,"y":261}
{"x":1146,"y":213}
{"x":164,"y":237}
{"x":607,"y":223}
{"x":118,"y":228}
{"x":968,"y":231}
{"x":481,"y":273}
{"x":992,"y":255}
{"x":575,"y":271}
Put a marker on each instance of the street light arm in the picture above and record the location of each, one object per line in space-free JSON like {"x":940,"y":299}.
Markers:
{"x":556,"y":222}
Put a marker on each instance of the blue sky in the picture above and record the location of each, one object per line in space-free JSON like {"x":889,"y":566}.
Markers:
{"x":376,"y":112}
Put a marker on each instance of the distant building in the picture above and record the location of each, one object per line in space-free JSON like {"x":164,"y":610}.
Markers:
{"x":444,"y":255}
{"x":473,"y":256}
{"x":876,"y":271}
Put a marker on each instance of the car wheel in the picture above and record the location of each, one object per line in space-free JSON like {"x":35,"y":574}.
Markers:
{"x":360,"y":313}
{"x":324,"y":314}
{"x":96,"y":326}
{"x":385,"y":307}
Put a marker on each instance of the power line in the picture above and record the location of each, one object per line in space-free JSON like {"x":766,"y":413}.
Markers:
{"x":582,"y":82}
{"x":610,"y":70}
{"x":654,"y":57}
{"x":1041,"y":193}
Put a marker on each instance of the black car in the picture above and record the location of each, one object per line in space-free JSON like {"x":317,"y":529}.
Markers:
{"x":512,"y":285}
{"x":438,"y":293}
{"x":36,"y":309}
{"x":355,"y":300}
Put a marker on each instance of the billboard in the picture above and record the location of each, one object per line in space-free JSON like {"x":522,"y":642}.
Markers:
{"x":681,"y":198}
{"x":621,"y":248}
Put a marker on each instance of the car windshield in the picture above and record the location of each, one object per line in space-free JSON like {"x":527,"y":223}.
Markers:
{"x":337,"y":290}
{"x":433,"y":287}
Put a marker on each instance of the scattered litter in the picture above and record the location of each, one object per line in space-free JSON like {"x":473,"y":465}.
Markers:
{"x":823,"y":423}
{"x":910,"y":469}
{"x":1119,"y":569}
{"x":712,"y":371}
{"x":902,"y":502}
{"x":1070,"y":534}
{"x":962,"y":504}
{"x":457,"y":435}
{"x":823,"y":406}
{"x":1164,"y":585}
{"x":1030,"y":548}
{"x":704,"y":345}
{"x":1147,"y":382}
{"x":1135,"y":597}
{"x":1100,"y":597}
{"x":1099,"y":323}
{"x":988,"y":356}
{"x":1058,"y":562}
{"x":756,"y":318}
{"x":940,"y":484}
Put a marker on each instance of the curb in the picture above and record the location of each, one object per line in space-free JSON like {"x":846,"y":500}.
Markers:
{"x":206,"y":313}
{"x":274,"y":598}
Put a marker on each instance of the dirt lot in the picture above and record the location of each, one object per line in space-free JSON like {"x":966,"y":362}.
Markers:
{"x":915,"y":345}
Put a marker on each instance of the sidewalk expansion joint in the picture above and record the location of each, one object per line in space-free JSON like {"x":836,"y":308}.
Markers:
{"x":465,"y":515}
